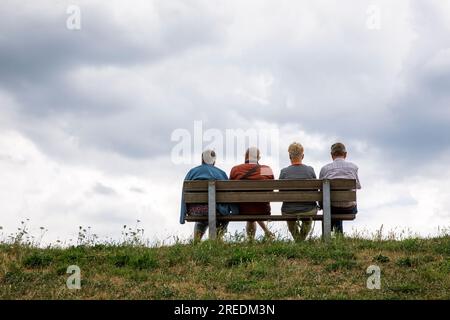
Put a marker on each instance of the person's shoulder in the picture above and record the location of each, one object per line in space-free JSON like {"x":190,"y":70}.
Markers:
{"x":194,"y":169}
{"x":265,"y":168}
{"x":326,"y":166}
{"x":240,"y":165}
{"x":192,"y":173}
{"x":235,"y":171}
{"x":266,"y":171}
{"x":220,"y":170}
{"x":285,"y":169}
{"x":197,"y":167}
{"x":352,"y":164}
{"x":237,"y":167}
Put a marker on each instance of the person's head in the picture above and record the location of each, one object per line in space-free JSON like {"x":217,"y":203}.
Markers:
{"x":296,"y":152}
{"x":209,"y":157}
{"x":252,"y":155}
{"x":338,"y":151}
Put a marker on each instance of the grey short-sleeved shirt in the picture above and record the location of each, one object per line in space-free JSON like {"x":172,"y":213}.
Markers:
{"x":298,"y":172}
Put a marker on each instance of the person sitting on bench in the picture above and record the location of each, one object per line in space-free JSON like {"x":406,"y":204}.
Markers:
{"x":298,"y":170}
{"x":206,"y":171}
{"x":340,"y":168}
{"x":252,"y":170}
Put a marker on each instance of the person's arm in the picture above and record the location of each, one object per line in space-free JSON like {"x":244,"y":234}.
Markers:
{"x":266,"y":173}
{"x":358,"y":184}
{"x":282,"y":175}
{"x":223,"y":175}
{"x":183,"y":207}
{"x":313,"y":173}
{"x":233,"y":173}
{"x":313,"y":176}
{"x":318,"y":204}
{"x":322,"y":173}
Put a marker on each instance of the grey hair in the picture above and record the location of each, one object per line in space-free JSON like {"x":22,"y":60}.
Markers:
{"x":338,"y":149}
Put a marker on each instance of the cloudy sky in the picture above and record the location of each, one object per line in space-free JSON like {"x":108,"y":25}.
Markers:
{"x":89,"y":104}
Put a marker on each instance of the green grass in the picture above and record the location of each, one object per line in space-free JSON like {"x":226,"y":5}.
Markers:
{"x":410,"y":269}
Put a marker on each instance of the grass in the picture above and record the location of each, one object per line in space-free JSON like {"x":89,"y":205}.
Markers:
{"x":410,"y":269}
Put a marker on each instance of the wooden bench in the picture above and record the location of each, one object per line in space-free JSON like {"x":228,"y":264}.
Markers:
{"x":237,"y":191}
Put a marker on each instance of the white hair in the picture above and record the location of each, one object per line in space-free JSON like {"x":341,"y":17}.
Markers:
{"x":209,"y":156}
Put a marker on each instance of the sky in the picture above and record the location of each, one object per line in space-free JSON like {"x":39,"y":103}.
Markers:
{"x":96,"y":98}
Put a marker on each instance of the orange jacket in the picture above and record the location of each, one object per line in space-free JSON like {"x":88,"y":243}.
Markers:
{"x":263,"y":173}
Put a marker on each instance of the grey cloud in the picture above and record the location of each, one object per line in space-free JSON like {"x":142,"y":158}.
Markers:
{"x":340,"y":82}
{"x":137,"y":190}
{"x":37,"y":45}
{"x":38,"y":56}
{"x":419,"y":120}
{"x":100,"y":188}
{"x":342,"y":87}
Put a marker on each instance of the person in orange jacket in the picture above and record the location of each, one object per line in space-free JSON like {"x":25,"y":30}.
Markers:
{"x":252,"y":170}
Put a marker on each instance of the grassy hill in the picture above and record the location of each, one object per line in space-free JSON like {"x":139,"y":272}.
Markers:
{"x":410,"y":269}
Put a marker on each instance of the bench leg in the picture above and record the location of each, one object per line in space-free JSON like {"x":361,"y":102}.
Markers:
{"x":326,"y":223}
{"x":212,"y":210}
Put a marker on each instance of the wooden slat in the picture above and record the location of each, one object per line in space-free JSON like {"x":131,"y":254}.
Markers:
{"x":271,"y":217}
{"x":343,"y":184}
{"x":253,"y":185}
{"x":269,"y":196}
{"x":258,"y":196}
{"x":261,"y":185}
{"x":343,"y":195}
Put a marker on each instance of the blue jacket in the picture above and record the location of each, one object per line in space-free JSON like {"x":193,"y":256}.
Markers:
{"x":207,"y":172}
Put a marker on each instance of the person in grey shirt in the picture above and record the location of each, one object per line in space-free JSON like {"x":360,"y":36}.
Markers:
{"x":340,"y":168}
{"x":297,"y":170}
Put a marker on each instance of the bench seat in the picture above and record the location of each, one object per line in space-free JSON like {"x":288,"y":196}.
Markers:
{"x":239,"y":217}
{"x":242,"y":191}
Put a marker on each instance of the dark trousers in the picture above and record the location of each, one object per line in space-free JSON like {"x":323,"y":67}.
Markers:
{"x":336,"y":225}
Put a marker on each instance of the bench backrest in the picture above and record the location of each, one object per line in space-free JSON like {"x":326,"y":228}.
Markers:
{"x":232,"y":191}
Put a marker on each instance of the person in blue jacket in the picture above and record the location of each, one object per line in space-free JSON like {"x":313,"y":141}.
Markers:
{"x":206,"y":171}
